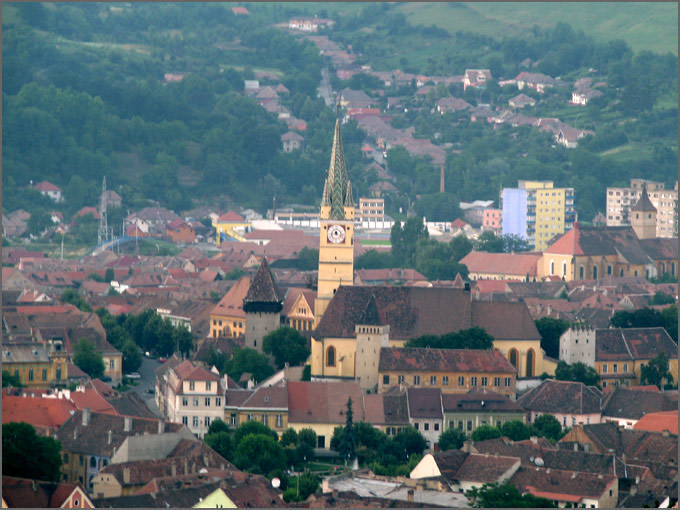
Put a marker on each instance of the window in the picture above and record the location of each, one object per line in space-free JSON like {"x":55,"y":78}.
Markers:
{"x":207,"y":401}
{"x":321,"y":441}
{"x":206,"y":421}
{"x":461,"y":380}
{"x":16,"y":372}
{"x":427,"y":426}
{"x":192,"y":385}
{"x":208,"y":384}
{"x":564,"y":268}
{"x":81,"y":460}
{"x":218,"y":401}
{"x":232,"y":419}
{"x":279,"y":420}
{"x":44,"y":374}
{"x":264,"y":419}
{"x":195,"y":421}
{"x":625,"y":367}
{"x":615,"y":367}
{"x":594,"y":272}
{"x":386,"y":379}
{"x":30,"y":374}
{"x":573,"y":421}
{"x":112,"y":364}
{"x":496,"y":381}
{"x":581,"y":272}
{"x":507,"y":381}
{"x":66,"y":458}
{"x":185,"y":402}
{"x":416,"y":380}
{"x":436,"y":426}
{"x":609,"y":269}
{"x":330,"y":356}
{"x":469,"y":425}
{"x":485,"y":381}
{"x":445,"y":380}
{"x":564,"y":421}
{"x":185,"y":420}
{"x":604,"y":368}
{"x":433,"y":380}
{"x":473,"y":381}
{"x":416,"y":425}
{"x":400,"y":379}
{"x":195,"y":402}
{"x":460,"y":424}
{"x":93,"y":462}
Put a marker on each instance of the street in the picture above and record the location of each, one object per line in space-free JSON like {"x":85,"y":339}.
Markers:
{"x":147,"y":382}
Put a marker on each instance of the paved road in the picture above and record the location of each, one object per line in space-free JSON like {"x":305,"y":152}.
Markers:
{"x":324,"y":89}
{"x":148,"y":382}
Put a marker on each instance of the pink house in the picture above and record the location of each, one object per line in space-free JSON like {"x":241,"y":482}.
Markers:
{"x":50,"y":190}
{"x":492,"y":219}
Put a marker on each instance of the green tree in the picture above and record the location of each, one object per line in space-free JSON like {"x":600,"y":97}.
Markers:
{"x":253,"y":428}
{"x":39,"y":222}
{"x":548,"y":426}
{"x":27,"y":455}
{"x":109,"y":275}
{"x":506,"y":495}
{"x":656,"y":371}
{"x":307,"y":373}
{"x":661,"y":298}
{"x":88,"y":359}
{"x":183,"y":340}
{"x":289,"y":437}
{"x":578,"y":371}
{"x":471,"y":338}
{"x":451,"y":439}
{"x":132,"y":356}
{"x":405,"y":240}
{"x":490,"y":242}
{"x":259,"y":453}
{"x":308,"y":259}
{"x":222,"y":442}
{"x":410,"y":441}
{"x":551,"y":330}
{"x":348,"y":442}
{"x":460,"y":246}
{"x":287,"y":345}
{"x":305,"y":445}
{"x":10,"y":380}
{"x":72,"y":297}
{"x":251,"y":361}
{"x":516,"y":430}
{"x":484,"y":432}
{"x":218,"y":425}
{"x":300,"y":488}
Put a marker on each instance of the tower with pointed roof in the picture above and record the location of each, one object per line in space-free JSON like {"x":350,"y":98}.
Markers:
{"x":643,"y":216}
{"x":262,"y":305}
{"x":372,"y":334}
{"x":336,"y":243}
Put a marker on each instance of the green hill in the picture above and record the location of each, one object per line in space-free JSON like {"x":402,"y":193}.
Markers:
{"x":644,"y":26}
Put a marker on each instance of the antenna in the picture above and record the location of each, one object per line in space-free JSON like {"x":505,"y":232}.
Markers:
{"x":103,"y":232}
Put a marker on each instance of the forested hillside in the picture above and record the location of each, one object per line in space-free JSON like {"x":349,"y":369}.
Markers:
{"x":84,"y":96}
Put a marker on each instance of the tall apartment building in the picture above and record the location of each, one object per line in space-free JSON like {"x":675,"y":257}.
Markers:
{"x":537,"y":211}
{"x":371,"y":209}
{"x":621,"y":200}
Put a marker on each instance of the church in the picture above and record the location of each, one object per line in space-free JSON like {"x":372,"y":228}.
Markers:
{"x":347,"y":339}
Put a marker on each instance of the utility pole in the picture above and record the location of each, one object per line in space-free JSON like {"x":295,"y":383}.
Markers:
{"x":103,"y":232}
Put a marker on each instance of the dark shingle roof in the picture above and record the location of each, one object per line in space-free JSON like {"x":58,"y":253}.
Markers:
{"x":371,"y":316}
{"x":644,"y":203}
{"x":627,"y":403}
{"x":562,"y":397}
{"x":488,"y":402}
{"x":263,"y":288}
{"x":425,"y":403}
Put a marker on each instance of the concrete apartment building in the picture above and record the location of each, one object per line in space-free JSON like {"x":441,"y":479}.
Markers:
{"x":537,"y":211}
{"x":621,"y":200}
{"x":371,"y":209}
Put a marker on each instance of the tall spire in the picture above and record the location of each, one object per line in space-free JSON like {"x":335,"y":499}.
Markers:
{"x":337,"y":189}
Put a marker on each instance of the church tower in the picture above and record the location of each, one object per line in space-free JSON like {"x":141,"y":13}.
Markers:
{"x":643,"y":217}
{"x":336,"y":239}
{"x":262,"y":305}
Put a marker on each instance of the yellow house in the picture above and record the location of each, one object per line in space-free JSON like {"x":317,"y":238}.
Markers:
{"x":35,"y":364}
{"x":228,"y":317}
{"x":322,"y":406}
{"x":336,"y":239}
{"x":267,"y":405}
{"x":228,"y":225}
{"x":298,"y":309}
{"x":216,"y":499}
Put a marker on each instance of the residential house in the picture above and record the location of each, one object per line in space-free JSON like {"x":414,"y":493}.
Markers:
{"x":35,"y":364}
{"x":189,"y":394}
{"x":571,"y":403}
{"x":298,"y":309}
{"x":228,"y":317}
{"x":582,"y":96}
{"x":536,"y":81}
{"x":476,"y":78}
{"x":521,"y":101}
{"x":46,"y":415}
{"x":460,"y":471}
{"x":451,"y":104}
{"x":625,"y":406}
{"x":291,"y":141}
{"x":502,"y":266}
{"x":425,"y":413}
{"x":355,"y":99}
{"x":27,"y":493}
{"x":49,"y":190}
{"x":89,"y":441}
{"x":474,"y":211}
{"x":268,"y":405}
{"x":229,"y":225}
{"x":450,"y":370}
{"x":492,"y":220}
{"x":662,"y":421}
{"x":322,"y":406}
{"x":467,"y":411}
{"x":179,"y":231}
{"x":388,"y":411}
{"x":112,"y":198}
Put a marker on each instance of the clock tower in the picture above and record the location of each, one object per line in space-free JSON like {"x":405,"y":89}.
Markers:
{"x":336,"y":239}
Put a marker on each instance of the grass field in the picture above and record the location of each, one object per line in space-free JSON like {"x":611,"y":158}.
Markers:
{"x":644,"y":26}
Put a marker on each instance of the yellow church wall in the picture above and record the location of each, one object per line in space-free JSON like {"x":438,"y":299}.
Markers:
{"x":522,"y":349}
{"x":345,"y":349}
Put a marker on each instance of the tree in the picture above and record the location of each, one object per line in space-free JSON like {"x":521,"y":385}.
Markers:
{"x":484,"y":432}
{"x":253,"y":428}
{"x":661,"y":298}
{"x":308,"y":259}
{"x":306,"y":442}
{"x":404,"y":240}
{"x":289,"y":437}
{"x":493,"y":495}
{"x":460,"y":246}
{"x":27,"y":455}
{"x":578,"y":371}
{"x":222,"y":442}
{"x":516,"y":430}
{"x":488,"y":241}
{"x":218,"y":425}
{"x":39,"y":222}
{"x":551,"y":330}
{"x":88,"y":359}
{"x":248,"y":360}
{"x":72,"y":297}
{"x":259,"y":453}
{"x":348,"y":442}
{"x":471,"y":338}
{"x":132,"y":357}
{"x":10,"y":380}
{"x":548,"y":426}
{"x":287,"y":345}
{"x":182,"y":340}
{"x":451,"y":439}
{"x":656,"y":371}
{"x":109,"y":275}
{"x":410,"y":441}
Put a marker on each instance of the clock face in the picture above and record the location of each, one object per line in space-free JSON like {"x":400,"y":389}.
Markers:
{"x":336,"y":234}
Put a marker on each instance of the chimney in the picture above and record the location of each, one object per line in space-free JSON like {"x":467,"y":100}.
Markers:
{"x":126,"y":476}
{"x":86,"y":417}
{"x":410,"y":495}
{"x":110,"y":438}
{"x":467,"y":446}
{"x":127,"y":424}
{"x":161,"y":426}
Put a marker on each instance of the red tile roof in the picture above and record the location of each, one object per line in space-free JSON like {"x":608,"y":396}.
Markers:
{"x":519,"y":264}
{"x":231,"y":216}
{"x":659,"y":422}
{"x":232,"y":302}
{"x":46,"y":186}
{"x":189,"y":372}
{"x":46,"y":413}
{"x":321,"y":402}
{"x":443,"y":360}
{"x":27,"y":493}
